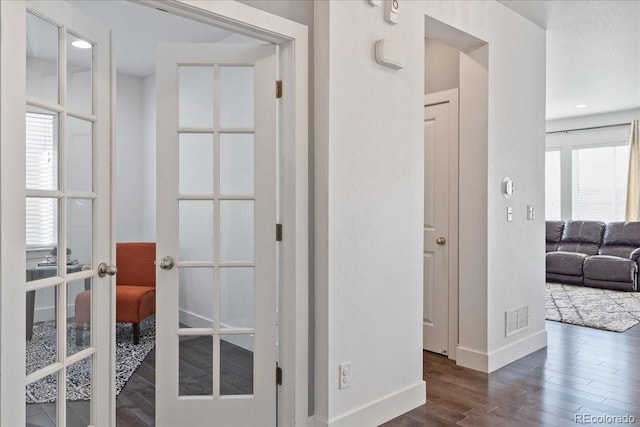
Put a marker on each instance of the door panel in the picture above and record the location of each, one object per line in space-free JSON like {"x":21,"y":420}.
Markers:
{"x":64,"y":215}
{"x":216,"y":218}
{"x":436,"y":227}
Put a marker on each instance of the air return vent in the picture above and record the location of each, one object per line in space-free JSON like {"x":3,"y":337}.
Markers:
{"x":516,"y":320}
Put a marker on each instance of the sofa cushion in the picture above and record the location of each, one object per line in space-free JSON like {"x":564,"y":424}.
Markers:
{"x":582,"y":236}
{"x":610,"y":268}
{"x":554,"y":234}
{"x":620,"y":239}
{"x":566,"y":263}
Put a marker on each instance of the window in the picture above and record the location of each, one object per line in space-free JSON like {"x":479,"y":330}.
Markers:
{"x":599,"y":182}
{"x":552,"y":193}
{"x":41,"y":174}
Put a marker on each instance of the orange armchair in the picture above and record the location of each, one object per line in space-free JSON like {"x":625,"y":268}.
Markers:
{"x":135,"y":287}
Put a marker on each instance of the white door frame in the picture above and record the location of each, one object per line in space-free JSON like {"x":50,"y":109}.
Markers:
{"x":451,"y":96}
{"x":293,"y":184}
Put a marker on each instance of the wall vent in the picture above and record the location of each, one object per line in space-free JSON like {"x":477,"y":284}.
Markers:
{"x":516,"y":320}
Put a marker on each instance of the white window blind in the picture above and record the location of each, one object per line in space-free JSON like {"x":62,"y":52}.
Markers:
{"x":41,"y":174}
{"x":552,"y":188}
{"x":599,"y":182}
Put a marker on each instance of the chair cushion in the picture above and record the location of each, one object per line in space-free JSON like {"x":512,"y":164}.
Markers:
{"x":566,"y":263}
{"x":582,"y":236}
{"x":83,"y":307}
{"x":554,"y":234}
{"x":609,"y":268}
{"x":134,"y":303}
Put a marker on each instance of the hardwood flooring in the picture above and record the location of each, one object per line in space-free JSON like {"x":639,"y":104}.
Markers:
{"x":583,"y":373}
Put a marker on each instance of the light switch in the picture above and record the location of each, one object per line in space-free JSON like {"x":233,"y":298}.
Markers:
{"x":509,"y":214}
{"x":531,"y":213}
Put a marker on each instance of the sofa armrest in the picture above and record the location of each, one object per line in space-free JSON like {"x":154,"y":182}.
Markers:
{"x":635,"y":255}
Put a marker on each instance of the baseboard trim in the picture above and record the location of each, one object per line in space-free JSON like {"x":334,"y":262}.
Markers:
{"x":472,"y":359}
{"x":490,"y":362}
{"x":381,"y":410}
{"x":517,"y":350}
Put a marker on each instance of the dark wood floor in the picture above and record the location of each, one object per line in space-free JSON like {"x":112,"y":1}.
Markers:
{"x":583,"y":372}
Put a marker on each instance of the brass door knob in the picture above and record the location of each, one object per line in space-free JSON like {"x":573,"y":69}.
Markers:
{"x":441,"y":240}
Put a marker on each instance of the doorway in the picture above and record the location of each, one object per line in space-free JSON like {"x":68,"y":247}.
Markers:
{"x":138,"y":201}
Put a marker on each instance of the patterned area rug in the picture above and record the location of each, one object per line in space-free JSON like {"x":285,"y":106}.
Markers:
{"x":592,"y":307}
{"x":41,"y":351}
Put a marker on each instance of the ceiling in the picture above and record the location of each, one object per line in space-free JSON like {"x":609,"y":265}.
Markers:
{"x":138,"y":29}
{"x":593,"y":54}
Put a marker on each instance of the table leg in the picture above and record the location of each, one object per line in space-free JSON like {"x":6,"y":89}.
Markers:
{"x":31,"y":300}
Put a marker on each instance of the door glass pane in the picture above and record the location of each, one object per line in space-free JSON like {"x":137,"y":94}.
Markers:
{"x":195,"y":376}
{"x":42,"y":59}
{"x":41,"y":397}
{"x":41,"y":328}
{"x":236,"y":164}
{"x":79,"y":393}
{"x":237,"y":297}
{"x":79,"y":155}
{"x":195,"y":230}
{"x":78,"y":315}
{"x":236,"y":97}
{"x":195,"y":96}
{"x":195,"y":163}
{"x":79,"y":58}
{"x":236,"y":230}
{"x":42,"y":233}
{"x":79,"y":234}
{"x":41,"y":149}
{"x":195,"y":287}
{"x":236,"y":364}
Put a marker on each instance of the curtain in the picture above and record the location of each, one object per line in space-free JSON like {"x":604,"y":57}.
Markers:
{"x":633,"y":184}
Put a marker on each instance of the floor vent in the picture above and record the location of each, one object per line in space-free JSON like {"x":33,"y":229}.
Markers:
{"x":516,"y":320}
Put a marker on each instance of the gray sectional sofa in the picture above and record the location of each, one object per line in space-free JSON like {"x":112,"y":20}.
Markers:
{"x":592,"y":253}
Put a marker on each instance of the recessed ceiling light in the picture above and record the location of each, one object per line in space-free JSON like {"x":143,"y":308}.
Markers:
{"x":81,"y":44}
{"x":582,"y":105}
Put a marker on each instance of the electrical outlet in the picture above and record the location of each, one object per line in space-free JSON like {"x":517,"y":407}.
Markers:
{"x":345,"y":375}
{"x":509,"y":214}
{"x":531,"y":212}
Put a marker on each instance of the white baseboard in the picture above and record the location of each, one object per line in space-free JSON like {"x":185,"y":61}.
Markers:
{"x":196,"y":321}
{"x":484,"y":362}
{"x":381,"y":410}
{"x":516,"y":350}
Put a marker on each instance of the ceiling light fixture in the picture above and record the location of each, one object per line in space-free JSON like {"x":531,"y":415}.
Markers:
{"x":582,"y":105}
{"x":81,"y":44}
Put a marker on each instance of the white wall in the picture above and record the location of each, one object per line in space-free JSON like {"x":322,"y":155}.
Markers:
{"x":441,"y":66}
{"x":149,"y":159}
{"x":129,"y":159}
{"x":369,"y":169}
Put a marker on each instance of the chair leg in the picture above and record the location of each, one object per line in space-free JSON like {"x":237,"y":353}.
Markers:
{"x":136,"y":333}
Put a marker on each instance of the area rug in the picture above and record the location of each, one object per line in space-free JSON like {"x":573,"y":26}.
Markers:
{"x":592,"y":307}
{"x":41,"y":351}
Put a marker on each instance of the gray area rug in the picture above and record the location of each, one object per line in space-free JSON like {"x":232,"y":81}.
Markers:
{"x":41,"y":351}
{"x":592,"y":307}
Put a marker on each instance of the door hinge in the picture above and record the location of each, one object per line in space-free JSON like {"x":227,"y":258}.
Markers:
{"x":278,"y":375}
{"x":278,"y":232}
{"x":278,"y":89}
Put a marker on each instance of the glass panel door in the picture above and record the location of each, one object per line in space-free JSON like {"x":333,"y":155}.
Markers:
{"x":216,"y":218}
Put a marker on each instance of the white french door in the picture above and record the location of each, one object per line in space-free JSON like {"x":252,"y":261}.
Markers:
{"x":55,"y":217}
{"x":216,"y":204}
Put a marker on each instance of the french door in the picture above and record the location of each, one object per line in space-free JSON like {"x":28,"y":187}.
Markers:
{"x":55,"y":216}
{"x":216,"y":204}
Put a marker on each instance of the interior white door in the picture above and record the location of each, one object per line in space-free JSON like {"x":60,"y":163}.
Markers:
{"x":216,"y":201}
{"x":437,"y":192}
{"x":56,"y":216}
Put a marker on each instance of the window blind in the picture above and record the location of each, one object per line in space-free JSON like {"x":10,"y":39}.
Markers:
{"x":599,"y":182}
{"x":41,"y":174}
